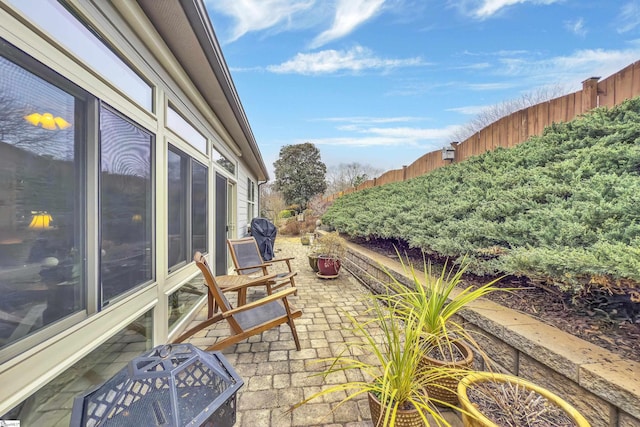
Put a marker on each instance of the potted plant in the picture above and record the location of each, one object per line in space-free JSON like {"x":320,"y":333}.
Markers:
{"x":446,"y":342}
{"x":389,"y":356}
{"x":491,"y":400}
{"x":329,"y":250}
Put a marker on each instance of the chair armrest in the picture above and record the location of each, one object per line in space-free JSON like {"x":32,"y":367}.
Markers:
{"x":281,"y":259}
{"x":287,"y":260}
{"x":261,"y":301}
{"x":259,"y":281}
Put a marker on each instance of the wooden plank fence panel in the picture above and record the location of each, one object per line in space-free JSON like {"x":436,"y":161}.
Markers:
{"x":482,"y":147}
{"x":623,"y":82}
{"x":635,"y":87}
{"x":505,"y":130}
{"x":558,"y":109}
{"x":543,"y":117}
{"x":571,"y":106}
{"x":489,"y":141}
{"x":513,"y":129}
{"x":606,"y":95}
{"x":578,"y":104}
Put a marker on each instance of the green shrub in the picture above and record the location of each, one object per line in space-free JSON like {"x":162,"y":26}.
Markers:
{"x":286,"y":213}
{"x":561,"y":207}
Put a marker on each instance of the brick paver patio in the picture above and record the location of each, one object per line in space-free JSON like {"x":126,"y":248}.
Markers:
{"x":277,"y":376}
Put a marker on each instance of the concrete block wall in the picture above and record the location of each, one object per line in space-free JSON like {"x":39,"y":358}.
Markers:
{"x":604,"y":387}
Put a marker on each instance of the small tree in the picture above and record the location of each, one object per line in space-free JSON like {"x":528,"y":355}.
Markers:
{"x":271,"y":202}
{"x":300,"y":174}
{"x":495,"y":112}
{"x":347,"y":175}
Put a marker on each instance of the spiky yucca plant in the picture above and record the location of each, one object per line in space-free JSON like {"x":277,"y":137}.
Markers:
{"x":394,"y":375}
{"x":436,"y":300}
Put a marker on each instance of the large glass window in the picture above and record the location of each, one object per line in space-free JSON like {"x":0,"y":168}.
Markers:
{"x":41,"y":196}
{"x":177,"y":201}
{"x":187,"y":207}
{"x":65,"y":28}
{"x":125,"y":205}
{"x":183,"y":128}
{"x":224,"y":162}
{"x":198,"y":207}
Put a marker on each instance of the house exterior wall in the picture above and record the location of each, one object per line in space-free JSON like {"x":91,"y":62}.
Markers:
{"x":156,"y":309}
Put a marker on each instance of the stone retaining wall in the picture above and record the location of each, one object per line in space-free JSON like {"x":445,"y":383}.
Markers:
{"x":604,"y":387}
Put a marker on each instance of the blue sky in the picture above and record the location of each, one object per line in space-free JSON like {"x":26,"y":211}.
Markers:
{"x":382,"y":82}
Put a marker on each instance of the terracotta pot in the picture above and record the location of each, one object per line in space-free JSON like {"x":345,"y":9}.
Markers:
{"x":328,"y":266}
{"x":445,"y":389}
{"x":313,"y":263}
{"x":404,"y":417}
{"x":477,"y":419}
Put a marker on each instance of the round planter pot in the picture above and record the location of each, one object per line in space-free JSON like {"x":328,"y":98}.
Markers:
{"x":404,"y":417}
{"x":328,"y":266}
{"x":445,"y":389}
{"x":313,"y":263}
{"x":475,"y":418}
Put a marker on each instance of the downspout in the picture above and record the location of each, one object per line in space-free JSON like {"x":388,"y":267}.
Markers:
{"x":259,"y":184}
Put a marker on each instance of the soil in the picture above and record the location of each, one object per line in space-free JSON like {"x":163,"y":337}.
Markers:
{"x":616,"y":331}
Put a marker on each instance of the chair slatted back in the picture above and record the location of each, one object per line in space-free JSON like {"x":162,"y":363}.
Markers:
{"x":245,"y":253}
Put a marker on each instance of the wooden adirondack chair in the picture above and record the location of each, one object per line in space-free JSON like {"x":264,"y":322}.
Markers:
{"x":247,"y":320}
{"x":248,"y":261}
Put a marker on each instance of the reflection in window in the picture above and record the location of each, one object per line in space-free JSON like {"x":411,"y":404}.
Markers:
{"x":40,"y":198}
{"x":223,"y":161}
{"x":176,"y":200}
{"x":125,"y":205}
{"x":51,"y":405}
{"x":187,"y":207}
{"x":185,"y":130}
{"x":185,"y":298}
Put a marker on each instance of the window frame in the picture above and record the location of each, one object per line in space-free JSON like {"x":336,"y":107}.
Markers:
{"x":85,"y":105}
{"x":101,"y":304}
{"x":188,"y":162}
{"x":251,"y":199}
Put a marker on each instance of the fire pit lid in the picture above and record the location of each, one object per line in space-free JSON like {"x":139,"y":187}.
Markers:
{"x":171,"y":385}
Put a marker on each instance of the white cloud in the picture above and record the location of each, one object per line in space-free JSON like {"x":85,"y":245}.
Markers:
{"x":629,"y":17}
{"x":349,"y":14}
{"x":331,"y":61}
{"x":570,"y":69}
{"x":360,"y":135}
{"x":490,"y":86}
{"x":257,"y":15}
{"x":576,"y":27}
{"x":369,"y":120}
{"x":476,"y":66}
{"x":489,"y":8}
{"x":470,"y":110}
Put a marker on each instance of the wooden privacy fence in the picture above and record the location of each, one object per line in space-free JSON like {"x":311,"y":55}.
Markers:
{"x":519,"y":126}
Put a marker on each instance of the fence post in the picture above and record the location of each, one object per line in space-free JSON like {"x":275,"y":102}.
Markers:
{"x":590,"y":94}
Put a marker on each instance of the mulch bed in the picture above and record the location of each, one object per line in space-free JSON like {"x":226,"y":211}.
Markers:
{"x":618,"y":335}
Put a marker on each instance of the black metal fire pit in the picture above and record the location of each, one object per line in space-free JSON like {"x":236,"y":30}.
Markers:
{"x":172,"y":385}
